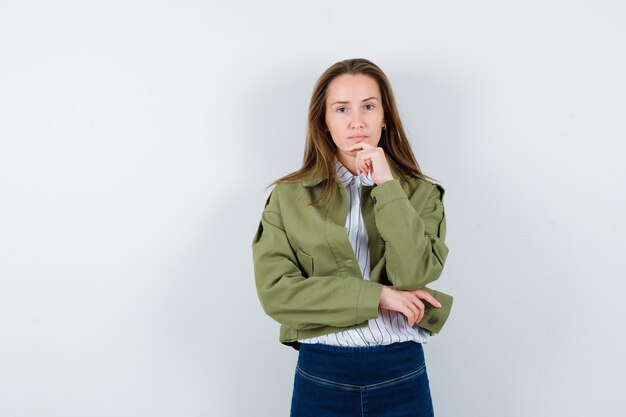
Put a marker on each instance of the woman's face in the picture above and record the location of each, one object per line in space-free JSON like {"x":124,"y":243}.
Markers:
{"x":354,"y":112}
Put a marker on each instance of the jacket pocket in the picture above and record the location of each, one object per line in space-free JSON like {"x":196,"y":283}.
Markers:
{"x":306,"y":263}
{"x":431,"y":209}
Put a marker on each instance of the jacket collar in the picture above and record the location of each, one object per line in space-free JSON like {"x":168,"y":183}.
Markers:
{"x":319,"y":177}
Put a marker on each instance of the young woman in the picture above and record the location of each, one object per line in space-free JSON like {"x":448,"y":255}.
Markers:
{"x":344,"y":250}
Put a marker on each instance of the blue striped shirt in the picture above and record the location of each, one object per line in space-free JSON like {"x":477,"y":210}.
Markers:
{"x":390,"y":326}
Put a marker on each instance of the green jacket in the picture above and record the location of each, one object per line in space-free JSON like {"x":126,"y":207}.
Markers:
{"x":307,"y":275}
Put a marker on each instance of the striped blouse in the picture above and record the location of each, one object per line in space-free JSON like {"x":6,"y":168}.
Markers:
{"x":390,"y":326}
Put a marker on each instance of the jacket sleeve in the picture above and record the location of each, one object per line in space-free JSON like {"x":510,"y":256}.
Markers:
{"x":434,"y":318}
{"x":298,"y":302}
{"x":415,"y":246}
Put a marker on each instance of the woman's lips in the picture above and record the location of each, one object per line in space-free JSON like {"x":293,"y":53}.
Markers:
{"x":358,"y":138}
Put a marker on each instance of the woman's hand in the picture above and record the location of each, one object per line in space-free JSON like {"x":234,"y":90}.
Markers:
{"x":407,"y":302}
{"x":370,"y":158}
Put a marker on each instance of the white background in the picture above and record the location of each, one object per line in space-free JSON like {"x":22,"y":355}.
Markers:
{"x":136,"y":139}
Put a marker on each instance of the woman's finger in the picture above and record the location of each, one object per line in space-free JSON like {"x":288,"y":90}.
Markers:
{"x":412,"y":310}
{"x":421,"y":308}
{"x":427,"y":297}
{"x":360,"y":145}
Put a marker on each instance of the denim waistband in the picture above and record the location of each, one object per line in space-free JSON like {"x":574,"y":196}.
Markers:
{"x":361,"y":365}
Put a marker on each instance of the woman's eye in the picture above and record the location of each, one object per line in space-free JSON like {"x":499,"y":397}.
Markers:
{"x":341,"y":108}
{"x":369,"y":106}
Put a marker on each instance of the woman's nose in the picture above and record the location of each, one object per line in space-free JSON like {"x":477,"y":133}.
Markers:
{"x":356,"y":122}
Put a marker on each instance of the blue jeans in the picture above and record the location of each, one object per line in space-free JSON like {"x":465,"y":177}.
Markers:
{"x":375,"y":381}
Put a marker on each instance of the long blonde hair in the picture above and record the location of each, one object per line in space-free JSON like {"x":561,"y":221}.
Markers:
{"x":320,"y":150}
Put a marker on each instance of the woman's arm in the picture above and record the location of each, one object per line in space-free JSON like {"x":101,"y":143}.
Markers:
{"x":415,"y":248}
{"x":299,"y":302}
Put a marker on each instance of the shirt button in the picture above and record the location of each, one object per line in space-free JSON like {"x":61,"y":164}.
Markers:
{"x":433,"y":320}
{"x":348,"y":261}
{"x":373,"y":200}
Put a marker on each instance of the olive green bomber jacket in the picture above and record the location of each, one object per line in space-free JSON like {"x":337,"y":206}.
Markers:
{"x":307,"y":275}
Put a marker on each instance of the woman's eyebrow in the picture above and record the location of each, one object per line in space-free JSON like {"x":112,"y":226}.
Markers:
{"x":347,"y":102}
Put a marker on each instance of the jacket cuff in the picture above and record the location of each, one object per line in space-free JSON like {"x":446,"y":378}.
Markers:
{"x":387,"y":192}
{"x":369,"y":299}
{"x":434,"y":318}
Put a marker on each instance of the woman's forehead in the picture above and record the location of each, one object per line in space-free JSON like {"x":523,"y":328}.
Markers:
{"x":349,"y":88}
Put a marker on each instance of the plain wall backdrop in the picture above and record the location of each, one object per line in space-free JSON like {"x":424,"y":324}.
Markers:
{"x":136,"y":142}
